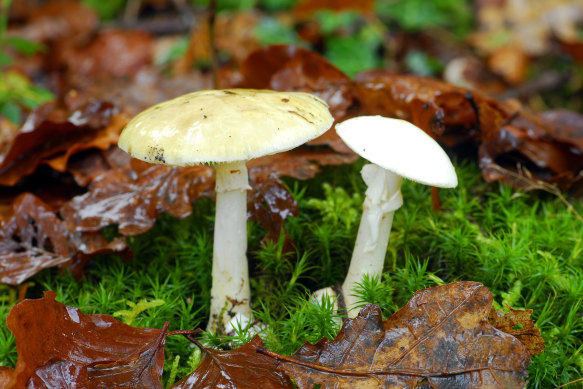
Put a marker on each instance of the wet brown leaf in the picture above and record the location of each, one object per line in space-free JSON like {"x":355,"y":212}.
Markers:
{"x":57,"y":21}
{"x":304,"y":7}
{"x":508,"y":137}
{"x":53,"y":137}
{"x":282,"y":67}
{"x":134,"y":196}
{"x":234,"y":34}
{"x":242,"y":368}
{"x":517,"y":322}
{"x":440,"y":339}
{"x":58,"y":347}
{"x":112,"y":53}
{"x":270,"y":204}
{"x":33,"y":238}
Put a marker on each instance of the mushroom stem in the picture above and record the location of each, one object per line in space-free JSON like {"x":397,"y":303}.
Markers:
{"x":230,"y":293}
{"x":383,"y":198}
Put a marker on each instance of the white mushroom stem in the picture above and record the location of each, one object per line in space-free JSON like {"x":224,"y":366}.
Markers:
{"x":230,"y":293}
{"x":383,"y":198}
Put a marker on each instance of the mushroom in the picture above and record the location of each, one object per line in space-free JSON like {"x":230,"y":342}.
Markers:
{"x":396,"y":149}
{"x":226,"y":128}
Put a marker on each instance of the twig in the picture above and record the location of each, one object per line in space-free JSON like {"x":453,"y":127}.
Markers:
{"x":524,"y":178}
{"x":364,"y":373}
{"x":569,"y":383}
{"x":213,"y":53}
{"x":185,"y":332}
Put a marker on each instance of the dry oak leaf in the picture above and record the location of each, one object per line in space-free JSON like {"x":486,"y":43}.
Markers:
{"x":58,"y":347}
{"x":440,"y":339}
{"x":33,"y":238}
{"x":517,"y":322}
{"x":242,"y":368}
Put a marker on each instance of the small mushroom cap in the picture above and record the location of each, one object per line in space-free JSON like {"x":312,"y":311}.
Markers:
{"x":400,"y":147}
{"x":224,"y":126}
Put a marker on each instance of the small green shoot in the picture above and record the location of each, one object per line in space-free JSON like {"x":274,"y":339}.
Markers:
{"x":129,"y":315}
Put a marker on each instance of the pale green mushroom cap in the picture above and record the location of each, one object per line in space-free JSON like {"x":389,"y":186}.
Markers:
{"x":224,"y":126}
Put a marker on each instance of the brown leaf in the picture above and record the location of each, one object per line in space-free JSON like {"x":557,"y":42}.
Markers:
{"x":33,"y":238}
{"x":242,"y":368}
{"x":58,"y":346}
{"x":270,"y":204}
{"x":234,"y":34}
{"x":441,"y":339}
{"x":310,"y":6}
{"x":282,"y":67}
{"x":52,"y":138}
{"x":134,"y":196}
{"x":517,"y":322}
{"x":57,"y":21}
{"x":112,"y":53}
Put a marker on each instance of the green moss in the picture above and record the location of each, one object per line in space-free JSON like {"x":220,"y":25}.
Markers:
{"x":525,"y":247}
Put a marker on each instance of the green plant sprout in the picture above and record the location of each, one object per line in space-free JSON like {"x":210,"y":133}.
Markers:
{"x":129,"y":315}
{"x":16,"y":91}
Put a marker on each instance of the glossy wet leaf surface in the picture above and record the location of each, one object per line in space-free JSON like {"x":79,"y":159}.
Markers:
{"x":59,"y":346}
{"x":237,"y":369}
{"x":440,"y":339}
{"x":33,"y":238}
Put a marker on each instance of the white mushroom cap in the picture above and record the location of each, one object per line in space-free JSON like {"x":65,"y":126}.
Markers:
{"x":224,"y":126}
{"x":400,"y":147}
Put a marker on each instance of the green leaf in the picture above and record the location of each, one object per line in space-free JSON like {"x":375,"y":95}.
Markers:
{"x":421,"y":64}
{"x":351,"y":54}
{"x":331,"y":21}
{"x":11,"y":111}
{"x":415,"y":15}
{"x":270,"y":31}
{"x":229,"y":5}
{"x":23,"y":45}
{"x":106,"y":9}
{"x":277,"y":5}
{"x":5,"y":59}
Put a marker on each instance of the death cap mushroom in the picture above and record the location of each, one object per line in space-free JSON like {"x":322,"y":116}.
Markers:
{"x":224,"y":126}
{"x":227,"y":128}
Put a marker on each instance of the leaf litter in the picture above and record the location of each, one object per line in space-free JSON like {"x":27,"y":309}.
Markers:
{"x":512,"y":143}
{"x":440,"y":338}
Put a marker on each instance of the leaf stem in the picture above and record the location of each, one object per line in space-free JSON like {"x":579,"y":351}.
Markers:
{"x":388,"y":371}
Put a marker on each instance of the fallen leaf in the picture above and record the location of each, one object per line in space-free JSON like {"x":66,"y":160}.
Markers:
{"x":58,"y":346}
{"x":234,"y":35}
{"x":32,"y":238}
{"x":288,"y":67}
{"x":111,"y":53}
{"x":242,"y":368}
{"x":441,"y":339}
{"x":305,"y":7}
{"x":52,"y":137}
{"x":55,"y":21}
{"x":532,"y":29}
{"x":270,"y":204}
{"x":517,"y":322}
{"x":134,"y":196}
